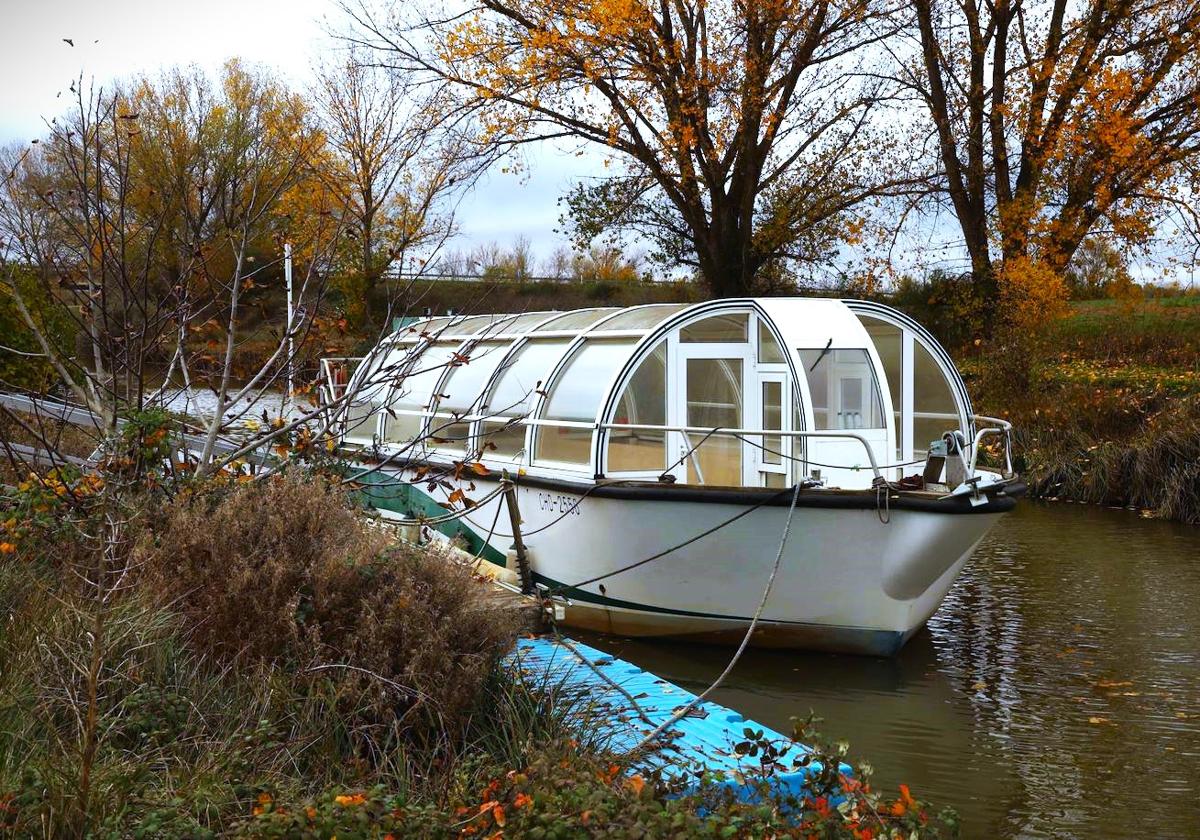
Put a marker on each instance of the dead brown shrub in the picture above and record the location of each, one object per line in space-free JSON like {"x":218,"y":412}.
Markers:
{"x":284,"y":571}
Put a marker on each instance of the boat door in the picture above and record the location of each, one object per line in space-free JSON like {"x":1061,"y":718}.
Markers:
{"x":711,"y":392}
{"x":771,"y":457}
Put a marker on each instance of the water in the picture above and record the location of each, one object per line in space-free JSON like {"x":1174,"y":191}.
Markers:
{"x":1056,"y":693}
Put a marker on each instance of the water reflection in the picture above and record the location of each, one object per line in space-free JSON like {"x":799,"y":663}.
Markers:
{"x":1055,"y":694}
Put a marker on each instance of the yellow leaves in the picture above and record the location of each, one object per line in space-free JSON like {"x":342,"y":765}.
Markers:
{"x":1032,"y":293}
{"x":350,"y":800}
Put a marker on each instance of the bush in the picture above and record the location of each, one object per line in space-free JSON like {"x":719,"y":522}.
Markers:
{"x":283,"y":571}
{"x":273,"y":670}
{"x":566,"y":793}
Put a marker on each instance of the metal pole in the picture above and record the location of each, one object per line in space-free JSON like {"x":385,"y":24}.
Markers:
{"x":514,"y":518}
{"x":291,"y":345}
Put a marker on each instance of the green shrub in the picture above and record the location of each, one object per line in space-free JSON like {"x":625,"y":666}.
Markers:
{"x":27,"y":372}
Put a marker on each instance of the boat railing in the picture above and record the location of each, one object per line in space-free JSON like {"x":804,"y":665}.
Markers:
{"x":687,"y":431}
{"x":336,"y":372}
{"x":995,"y":428}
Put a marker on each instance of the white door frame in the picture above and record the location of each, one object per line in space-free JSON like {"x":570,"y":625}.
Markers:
{"x":677,"y":407}
{"x":760,"y":457}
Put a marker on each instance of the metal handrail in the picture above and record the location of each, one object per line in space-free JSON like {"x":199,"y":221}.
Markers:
{"x":998,"y":427}
{"x":685,"y":430}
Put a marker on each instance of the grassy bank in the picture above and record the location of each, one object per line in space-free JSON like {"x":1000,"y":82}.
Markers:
{"x":1106,"y":403}
{"x":249,"y":659}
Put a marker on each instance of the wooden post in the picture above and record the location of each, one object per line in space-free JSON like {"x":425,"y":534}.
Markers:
{"x":514,"y":518}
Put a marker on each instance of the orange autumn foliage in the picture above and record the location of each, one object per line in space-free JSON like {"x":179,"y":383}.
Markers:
{"x":1056,"y":121}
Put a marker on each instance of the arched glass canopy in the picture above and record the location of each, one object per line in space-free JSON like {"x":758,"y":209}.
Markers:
{"x":728,"y":393}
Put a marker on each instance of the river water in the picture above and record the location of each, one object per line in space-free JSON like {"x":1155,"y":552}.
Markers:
{"x":1056,"y":693}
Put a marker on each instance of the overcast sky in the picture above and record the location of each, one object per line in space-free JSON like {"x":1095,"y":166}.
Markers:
{"x":115,"y":39}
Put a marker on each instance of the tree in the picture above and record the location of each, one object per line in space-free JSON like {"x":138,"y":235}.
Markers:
{"x":1054,"y":120}
{"x":394,"y":160}
{"x":1098,"y":270}
{"x":739,"y":126}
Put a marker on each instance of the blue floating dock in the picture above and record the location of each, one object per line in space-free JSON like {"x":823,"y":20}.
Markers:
{"x":705,"y":739}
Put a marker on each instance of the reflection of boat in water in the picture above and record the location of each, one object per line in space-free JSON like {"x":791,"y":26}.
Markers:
{"x":687,"y":434}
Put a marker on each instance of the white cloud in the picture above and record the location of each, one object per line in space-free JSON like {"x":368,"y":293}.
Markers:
{"x":116,"y":39}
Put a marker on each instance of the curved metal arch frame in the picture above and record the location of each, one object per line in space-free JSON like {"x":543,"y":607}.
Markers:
{"x":595,"y":331}
{"x":516,"y":340}
{"x":519,"y":340}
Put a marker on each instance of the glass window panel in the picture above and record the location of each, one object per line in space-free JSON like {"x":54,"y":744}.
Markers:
{"x":576,"y":396}
{"x":472,"y":325}
{"x":577,"y":320}
{"x":845,"y":391}
{"x":642,"y":403}
{"x":432,"y":323}
{"x":714,"y":398}
{"x":360,"y":420}
{"x":430,"y":328}
{"x":935,"y":410}
{"x":523,"y":322}
{"x":558,"y":443}
{"x":503,"y":438}
{"x":772,"y":417}
{"x":448,"y":435}
{"x":643,"y":318}
{"x":577,"y":392}
{"x":732,"y":327}
{"x":402,"y":428}
{"x":516,"y":388}
{"x":463,"y":391}
{"x":415,"y":391}
{"x":889,"y":341}
{"x":770,"y":352}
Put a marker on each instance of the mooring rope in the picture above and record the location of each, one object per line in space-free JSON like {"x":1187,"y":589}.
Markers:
{"x":687,"y":708}
{"x":559,"y":638}
{"x":767,"y":500}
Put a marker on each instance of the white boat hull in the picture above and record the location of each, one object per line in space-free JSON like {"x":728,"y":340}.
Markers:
{"x":856,"y":580}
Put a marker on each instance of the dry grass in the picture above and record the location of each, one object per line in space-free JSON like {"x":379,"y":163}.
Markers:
{"x":267,"y":641}
{"x":285,"y":572}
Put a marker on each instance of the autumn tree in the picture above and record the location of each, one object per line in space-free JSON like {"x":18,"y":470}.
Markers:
{"x":737,"y":128}
{"x":1053,"y":121}
{"x":396,"y":155}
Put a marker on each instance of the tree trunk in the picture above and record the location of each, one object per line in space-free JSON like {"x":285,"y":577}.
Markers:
{"x":727,"y":264}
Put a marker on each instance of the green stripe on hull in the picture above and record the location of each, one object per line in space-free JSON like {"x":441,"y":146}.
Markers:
{"x":386,"y":492}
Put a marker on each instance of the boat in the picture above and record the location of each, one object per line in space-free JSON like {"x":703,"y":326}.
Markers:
{"x":659,"y":462}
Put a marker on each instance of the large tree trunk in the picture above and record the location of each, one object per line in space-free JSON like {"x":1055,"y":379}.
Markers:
{"x":728,"y":264}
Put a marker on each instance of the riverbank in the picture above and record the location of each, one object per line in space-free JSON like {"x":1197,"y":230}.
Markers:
{"x":250,"y":659}
{"x":1105,"y":403}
